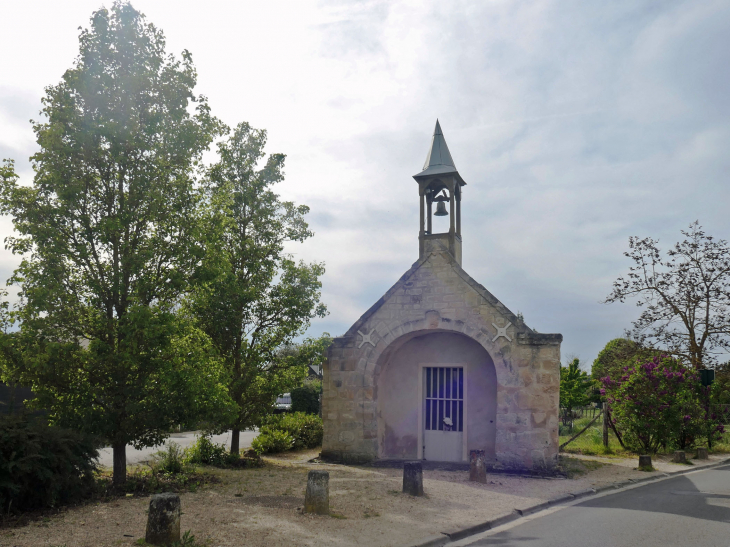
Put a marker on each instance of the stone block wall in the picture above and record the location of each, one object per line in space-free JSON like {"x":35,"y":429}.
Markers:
{"x":436,"y":295}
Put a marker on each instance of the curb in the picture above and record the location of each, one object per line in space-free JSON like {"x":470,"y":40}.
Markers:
{"x":454,"y":535}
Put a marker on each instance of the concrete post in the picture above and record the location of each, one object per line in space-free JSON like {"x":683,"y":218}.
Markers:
{"x":317,"y":498}
{"x":645,"y":463}
{"x":477,"y":466}
{"x":605,"y":425}
{"x":163,"y":519}
{"x":413,"y":478}
{"x":701,"y":453}
{"x":679,"y":457}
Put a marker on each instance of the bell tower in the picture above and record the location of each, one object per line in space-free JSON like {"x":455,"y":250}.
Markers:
{"x":440,"y":183}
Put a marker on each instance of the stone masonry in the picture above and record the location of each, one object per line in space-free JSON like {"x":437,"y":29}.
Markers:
{"x":436,"y":294}
{"x":436,"y":315}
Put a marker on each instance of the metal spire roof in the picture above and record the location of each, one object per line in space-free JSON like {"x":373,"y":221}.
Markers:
{"x":438,"y":161}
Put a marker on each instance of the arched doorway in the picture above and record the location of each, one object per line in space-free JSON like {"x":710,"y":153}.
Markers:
{"x":437,"y":398}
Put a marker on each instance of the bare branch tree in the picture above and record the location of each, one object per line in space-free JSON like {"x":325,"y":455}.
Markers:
{"x":685,"y":296}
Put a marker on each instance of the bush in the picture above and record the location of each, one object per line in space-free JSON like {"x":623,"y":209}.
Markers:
{"x":305,"y":429}
{"x":272,"y":441}
{"x":43,"y":466}
{"x":205,"y":451}
{"x":300,"y":431}
{"x":656,"y":403}
{"x":306,"y":398}
{"x":173,"y":460}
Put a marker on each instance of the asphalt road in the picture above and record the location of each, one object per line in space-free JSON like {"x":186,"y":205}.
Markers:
{"x":688,"y":510}
{"x":183,"y":439}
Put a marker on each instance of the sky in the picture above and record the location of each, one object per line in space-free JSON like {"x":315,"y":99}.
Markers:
{"x":575,"y":124}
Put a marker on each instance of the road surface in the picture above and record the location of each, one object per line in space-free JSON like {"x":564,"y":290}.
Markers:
{"x":183,"y":439}
{"x":687,"y":510}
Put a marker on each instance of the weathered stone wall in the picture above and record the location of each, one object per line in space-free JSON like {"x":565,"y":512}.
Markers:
{"x":436,"y":295}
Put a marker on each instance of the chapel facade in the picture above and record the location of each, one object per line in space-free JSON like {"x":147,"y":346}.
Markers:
{"x":438,"y":366}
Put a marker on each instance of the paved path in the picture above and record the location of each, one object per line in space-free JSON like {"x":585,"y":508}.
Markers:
{"x":183,"y":439}
{"x":687,"y":510}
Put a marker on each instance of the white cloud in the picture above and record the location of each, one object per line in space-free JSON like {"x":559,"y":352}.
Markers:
{"x":574,"y":124}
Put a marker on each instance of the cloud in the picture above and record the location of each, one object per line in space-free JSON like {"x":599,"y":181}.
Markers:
{"x":574,"y":124}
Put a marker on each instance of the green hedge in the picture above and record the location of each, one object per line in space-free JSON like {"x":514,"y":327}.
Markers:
{"x":306,"y":398}
{"x":283,"y":432}
{"x":43,"y":466}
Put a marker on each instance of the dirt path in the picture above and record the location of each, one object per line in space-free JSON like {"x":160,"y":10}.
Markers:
{"x":261,"y":506}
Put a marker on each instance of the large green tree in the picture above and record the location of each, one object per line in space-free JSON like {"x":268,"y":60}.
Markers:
{"x":253,"y":299}
{"x":108,"y":234}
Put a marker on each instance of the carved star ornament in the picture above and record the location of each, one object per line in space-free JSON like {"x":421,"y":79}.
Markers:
{"x":502,"y":331}
{"x":366,"y":338}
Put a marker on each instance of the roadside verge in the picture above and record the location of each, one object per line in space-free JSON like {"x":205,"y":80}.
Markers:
{"x":449,"y":536}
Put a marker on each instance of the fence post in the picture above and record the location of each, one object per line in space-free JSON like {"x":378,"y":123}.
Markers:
{"x":605,"y":425}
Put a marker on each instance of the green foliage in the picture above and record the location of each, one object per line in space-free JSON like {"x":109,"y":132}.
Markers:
{"x":618,"y":353}
{"x":293,"y":431}
{"x":306,"y":398}
{"x":188,"y":540}
{"x":576,"y":388}
{"x":656,"y":403}
{"x":306,"y":430}
{"x":172,"y":460}
{"x":109,"y":235}
{"x":272,"y":441}
{"x":251,"y":298}
{"x":205,"y":451}
{"x":43,"y":466}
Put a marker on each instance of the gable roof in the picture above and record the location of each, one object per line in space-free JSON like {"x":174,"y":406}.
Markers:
{"x":483,"y":292}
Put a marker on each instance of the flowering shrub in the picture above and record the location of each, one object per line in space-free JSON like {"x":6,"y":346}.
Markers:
{"x":656,"y":403}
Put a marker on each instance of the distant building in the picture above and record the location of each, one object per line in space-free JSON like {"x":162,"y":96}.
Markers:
{"x":439,"y":366}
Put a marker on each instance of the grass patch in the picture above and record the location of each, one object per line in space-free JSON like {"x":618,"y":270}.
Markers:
{"x":590,"y":443}
{"x":574,"y":467}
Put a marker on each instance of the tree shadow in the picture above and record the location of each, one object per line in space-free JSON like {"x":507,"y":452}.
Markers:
{"x":676,"y":496}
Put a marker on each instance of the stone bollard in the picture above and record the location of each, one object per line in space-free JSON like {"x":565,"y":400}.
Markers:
{"x":679,"y":457}
{"x":477,"y":466}
{"x":413,"y":478}
{"x":163,"y":519}
{"x":645,"y":463}
{"x":701,"y":453}
{"x":317,"y":498}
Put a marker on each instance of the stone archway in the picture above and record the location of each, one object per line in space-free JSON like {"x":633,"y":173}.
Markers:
{"x":400,"y":401}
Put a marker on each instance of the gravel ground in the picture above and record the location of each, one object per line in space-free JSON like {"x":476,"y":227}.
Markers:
{"x":262,"y":506}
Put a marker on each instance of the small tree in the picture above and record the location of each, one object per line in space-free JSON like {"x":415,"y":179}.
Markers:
{"x":252,"y":299}
{"x":617,"y":354}
{"x":685,"y":296}
{"x":109,"y":234}
{"x":575,"y":389}
{"x":656,"y":403}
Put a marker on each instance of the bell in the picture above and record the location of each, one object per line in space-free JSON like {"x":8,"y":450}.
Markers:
{"x":441,"y":209}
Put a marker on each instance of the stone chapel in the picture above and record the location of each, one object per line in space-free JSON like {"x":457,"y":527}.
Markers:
{"x":438,"y":366}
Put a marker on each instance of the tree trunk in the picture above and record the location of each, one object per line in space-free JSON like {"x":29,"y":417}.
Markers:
{"x":615,"y":431}
{"x":119,"y":476}
{"x":235,"y":440}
